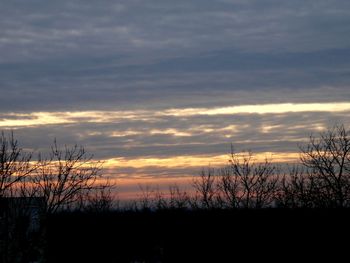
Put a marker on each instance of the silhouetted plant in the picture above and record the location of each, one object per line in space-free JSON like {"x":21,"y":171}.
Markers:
{"x":15,"y":164}
{"x":230,"y":188}
{"x":99,"y":199}
{"x":327,"y":158}
{"x":249,"y":183}
{"x":206,"y":190}
{"x":178,"y":199}
{"x":294,"y":188}
{"x":64,"y":176}
{"x":153,"y":199}
{"x":146,"y":199}
{"x":160,"y":200}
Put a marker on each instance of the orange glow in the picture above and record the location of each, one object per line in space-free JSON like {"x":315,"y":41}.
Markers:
{"x":192,"y":161}
{"x":131,"y":188}
{"x":145,"y":170}
{"x":128,"y":185}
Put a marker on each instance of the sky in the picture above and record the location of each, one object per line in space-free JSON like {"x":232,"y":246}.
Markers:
{"x":158,"y":89}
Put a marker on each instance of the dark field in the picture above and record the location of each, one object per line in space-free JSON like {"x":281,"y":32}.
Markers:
{"x":198,"y":236}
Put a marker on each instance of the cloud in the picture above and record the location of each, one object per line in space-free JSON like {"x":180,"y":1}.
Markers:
{"x":84,"y":55}
{"x":136,"y":26}
{"x":180,"y":166}
{"x":178,"y":132}
{"x":12,"y":120}
{"x":264,"y":109}
{"x":171,"y":80}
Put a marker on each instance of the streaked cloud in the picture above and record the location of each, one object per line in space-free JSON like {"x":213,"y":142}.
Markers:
{"x":164,"y":134}
{"x":160,"y":88}
{"x":193,"y":161}
{"x":264,"y":109}
{"x":163,"y":54}
{"x":12,"y":120}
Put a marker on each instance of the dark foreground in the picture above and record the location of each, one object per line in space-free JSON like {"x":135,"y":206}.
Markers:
{"x":199,"y":236}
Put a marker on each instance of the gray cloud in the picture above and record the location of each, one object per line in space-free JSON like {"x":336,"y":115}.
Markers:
{"x":169,"y":136}
{"x":141,"y":54}
{"x":132,"y":54}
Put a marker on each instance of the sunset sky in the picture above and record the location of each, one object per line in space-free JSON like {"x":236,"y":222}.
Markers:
{"x":160,"y":88}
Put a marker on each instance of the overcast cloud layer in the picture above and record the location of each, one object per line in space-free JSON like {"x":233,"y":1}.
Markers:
{"x":141,"y":54}
{"x":158,"y":55}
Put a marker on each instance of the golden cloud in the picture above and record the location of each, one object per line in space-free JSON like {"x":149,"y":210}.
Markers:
{"x":13,"y":120}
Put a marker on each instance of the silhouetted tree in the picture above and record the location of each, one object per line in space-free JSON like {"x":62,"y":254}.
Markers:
{"x":327,"y":158}
{"x":146,"y":199}
{"x":152,"y":198}
{"x":30,"y":187}
{"x":99,"y":199}
{"x":15,"y":164}
{"x":206,"y":190}
{"x":64,"y":175}
{"x":249,"y":183}
{"x":178,"y":199}
{"x":159,"y":199}
{"x":230,"y":188}
{"x":173,"y":199}
{"x":295,"y":189}
{"x":17,"y":210}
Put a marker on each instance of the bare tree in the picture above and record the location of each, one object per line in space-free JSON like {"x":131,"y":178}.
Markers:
{"x":152,"y":198}
{"x":99,"y":199}
{"x":229,"y":185}
{"x":206,"y":191}
{"x":159,"y":199}
{"x":146,"y":199}
{"x":250,"y":184}
{"x":64,"y":175}
{"x":295,"y":188}
{"x":15,"y":164}
{"x":178,"y":199}
{"x":328,"y":159}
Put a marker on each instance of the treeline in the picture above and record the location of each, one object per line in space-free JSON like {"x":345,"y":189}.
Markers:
{"x":63,"y":178}
{"x":46,"y":197}
{"x":34,"y":186}
{"x":321,"y":179}
{"x":68,"y":178}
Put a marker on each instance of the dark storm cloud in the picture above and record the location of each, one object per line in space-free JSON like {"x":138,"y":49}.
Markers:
{"x":143,"y":54}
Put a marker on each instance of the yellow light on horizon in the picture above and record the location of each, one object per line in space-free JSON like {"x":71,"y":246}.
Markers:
{"x":193,"y":161}
{"x":110,"y":116}
{"x":263,"y":109}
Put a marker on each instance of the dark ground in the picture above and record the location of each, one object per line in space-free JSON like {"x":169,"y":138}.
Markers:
{"x":198,"y":236}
